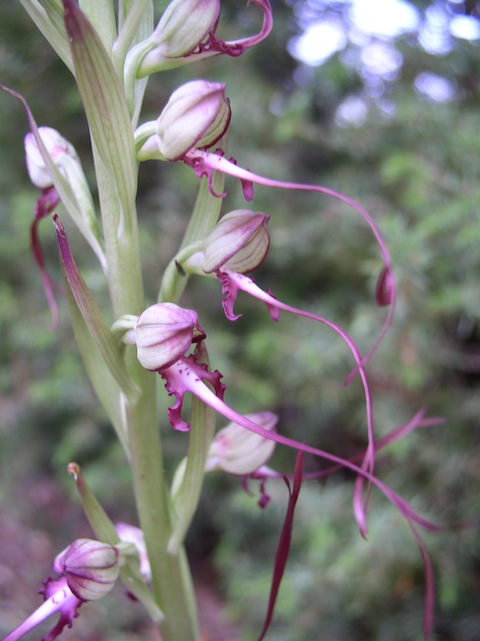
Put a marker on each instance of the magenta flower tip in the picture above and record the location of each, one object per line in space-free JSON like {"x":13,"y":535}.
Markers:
{"x":384,"y":291}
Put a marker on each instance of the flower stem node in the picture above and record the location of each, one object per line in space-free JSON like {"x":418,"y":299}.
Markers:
{"x":61,"y":151}
{"x":163,"y":333}
{"x":237,"y":451}
{"x":240,"y":242}
{"x":197,"y":116}
{"x":91,"y":568}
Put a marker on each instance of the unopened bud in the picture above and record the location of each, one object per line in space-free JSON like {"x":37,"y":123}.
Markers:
{"x":184,"y":25}
{"x":240,"y":241}
{"x":239,"y":451}
{"x":163,"y":333}
{"x":60,"y":150}
{"x":197,"y":115}
{"x":90,"y":567}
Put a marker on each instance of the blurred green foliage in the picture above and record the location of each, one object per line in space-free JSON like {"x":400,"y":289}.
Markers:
{"x":413,"y":162}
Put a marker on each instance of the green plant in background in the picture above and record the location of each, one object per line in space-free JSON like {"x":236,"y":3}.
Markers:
{"x":111,"y":56}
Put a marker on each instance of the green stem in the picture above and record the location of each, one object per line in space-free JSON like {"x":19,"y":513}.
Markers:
{"x":171,"y":581}
{"x":204,"y":218}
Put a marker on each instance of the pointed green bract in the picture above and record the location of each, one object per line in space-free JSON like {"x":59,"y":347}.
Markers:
{"x":93,"y":317}
{"x":103,"y":382}
{"x":105,"y":107}
{"x":106,"y":532}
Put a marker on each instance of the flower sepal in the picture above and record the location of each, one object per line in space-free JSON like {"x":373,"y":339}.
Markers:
{"x":91,"y":568}
{"x":163,"y":333}
{"x":239,"y":241}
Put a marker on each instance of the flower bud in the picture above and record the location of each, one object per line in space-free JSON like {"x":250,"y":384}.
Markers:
{"x":240,"y":241}
{"x":90,"y":567}
{"x":163,"y":333}
{"x":239,"y":451}
{"x":182,"y":28}
{"x":197,"y":115}
{"x":61,"y":151}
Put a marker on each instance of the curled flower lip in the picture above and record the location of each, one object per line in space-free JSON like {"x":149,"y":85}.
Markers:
{"x":58,"y":599}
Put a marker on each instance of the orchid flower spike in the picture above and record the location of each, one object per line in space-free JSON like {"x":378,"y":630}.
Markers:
{"x":186,"y":33}
{"x":88,"y":571}
{"x":162,"y":347}
{"x":197,"y":114}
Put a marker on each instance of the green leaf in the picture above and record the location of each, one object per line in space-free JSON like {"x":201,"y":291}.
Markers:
{"x":105,"y":105}
{"x":103,"y":382}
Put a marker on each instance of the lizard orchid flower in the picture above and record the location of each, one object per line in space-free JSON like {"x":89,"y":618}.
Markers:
{"x":239,"y":241}
{"x":62,"y":154}
{"x":88,"y":571}
{"x":186,"y":33}
{"x":237,"y":451}
{"x":196,"y":115}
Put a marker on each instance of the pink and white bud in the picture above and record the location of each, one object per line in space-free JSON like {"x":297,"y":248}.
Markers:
{"x":90,"y":567}
{"x":240,"y":242}
{"x":197,"y":115}
{"x":163,"y":333}
{"x":58,"y":147}
{"x":238,"y":451}
{"x":184,"y":25}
